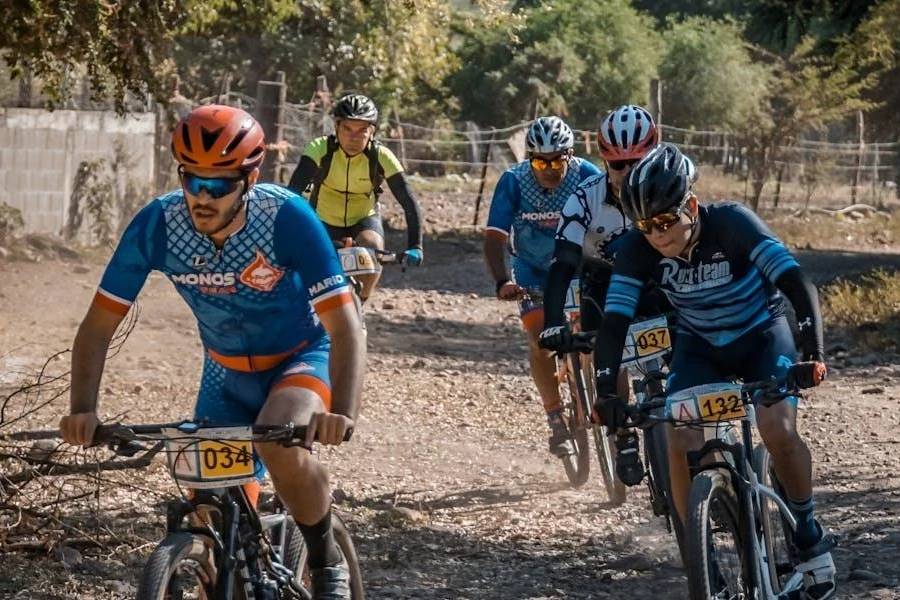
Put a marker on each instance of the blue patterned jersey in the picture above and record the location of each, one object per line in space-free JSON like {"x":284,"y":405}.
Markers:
{"x":254,"y":298}
{"x":725,"y":289}
{"x":530,"y":212}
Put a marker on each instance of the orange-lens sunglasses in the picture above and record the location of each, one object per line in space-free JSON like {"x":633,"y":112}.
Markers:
{"x":542,"y":164}
{"x":663,"y":221}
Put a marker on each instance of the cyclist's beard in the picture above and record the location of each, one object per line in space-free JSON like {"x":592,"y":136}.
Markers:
{"x":232,"y":214}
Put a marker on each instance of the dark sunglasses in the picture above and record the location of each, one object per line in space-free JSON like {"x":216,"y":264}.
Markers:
{"x":556,"y":163}
{"x":217,"y":187}
{"x":663,"y":221}
{"x":618,"y":165}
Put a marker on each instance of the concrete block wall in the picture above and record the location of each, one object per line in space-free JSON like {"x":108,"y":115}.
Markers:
{"x":40,"y":152}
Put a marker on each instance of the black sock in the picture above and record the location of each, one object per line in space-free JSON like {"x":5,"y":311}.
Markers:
{"x":323,"y":552}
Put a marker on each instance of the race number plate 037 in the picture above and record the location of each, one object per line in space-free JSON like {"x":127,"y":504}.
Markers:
{"x":572,"y":306}
{"x":646,"y":339}
{"x":215,"y":458}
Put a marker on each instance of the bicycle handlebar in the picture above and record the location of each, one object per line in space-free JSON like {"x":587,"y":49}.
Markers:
{"x":115,"y":433}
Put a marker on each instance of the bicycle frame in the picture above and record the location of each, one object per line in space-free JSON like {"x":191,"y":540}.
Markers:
{"x":230,"y":539}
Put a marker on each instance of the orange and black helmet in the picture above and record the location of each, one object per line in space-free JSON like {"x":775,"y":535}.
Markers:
{"x":219,"y":137}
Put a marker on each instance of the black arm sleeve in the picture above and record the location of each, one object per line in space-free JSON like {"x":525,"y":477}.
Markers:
{"x":805,"y":298}
{"x":303,"y":175}
{"x":566,"y":257}
{"x":404,"y":195}
{"x":608,"y":351}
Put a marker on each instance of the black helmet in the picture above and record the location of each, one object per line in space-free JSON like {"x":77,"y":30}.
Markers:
{"x":659,"y":182}
{"x":356,"y":106}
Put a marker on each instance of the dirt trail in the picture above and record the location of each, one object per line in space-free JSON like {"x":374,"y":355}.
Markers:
{"x":447,"y":484}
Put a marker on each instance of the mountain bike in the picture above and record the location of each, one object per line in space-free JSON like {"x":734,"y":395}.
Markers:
{"x":218,"y":546}
{"x":647,"y":349}
{"x":739,"y":529}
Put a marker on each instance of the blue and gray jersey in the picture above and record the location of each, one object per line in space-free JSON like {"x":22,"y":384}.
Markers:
{"x":530,"y":213}
{"x":725,"y":289}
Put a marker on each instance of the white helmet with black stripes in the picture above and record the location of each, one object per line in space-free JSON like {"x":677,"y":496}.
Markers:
{"x":548,"y":135}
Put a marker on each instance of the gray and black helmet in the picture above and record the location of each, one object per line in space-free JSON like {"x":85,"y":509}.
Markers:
{"x":548,"y":135}
{"x":356,"y":106}
{"x":658,"y":183}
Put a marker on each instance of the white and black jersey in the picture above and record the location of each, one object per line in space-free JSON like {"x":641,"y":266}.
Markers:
{"x":593,"y":223}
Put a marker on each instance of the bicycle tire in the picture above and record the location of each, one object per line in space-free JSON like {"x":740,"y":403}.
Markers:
{"x":179,"y":548}
{"x":712,"y":493}
{"x":295,"y":555}
{"x":605,"y":445}
{"x":578,"y":465}
{"x":777,"y":534}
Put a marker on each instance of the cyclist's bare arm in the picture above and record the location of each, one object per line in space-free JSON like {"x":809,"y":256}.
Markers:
{"x":495,"y":255}
{"x":403,"y":193}
{"x":303,"y":175}
{"x":348,"y":348}
{"x":88,"y":359}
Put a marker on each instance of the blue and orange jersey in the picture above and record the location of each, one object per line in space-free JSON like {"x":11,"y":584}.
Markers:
{"x":256,"y":298}
{"x":529,"y":212}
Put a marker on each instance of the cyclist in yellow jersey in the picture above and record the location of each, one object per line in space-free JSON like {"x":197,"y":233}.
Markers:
{"x":343,"y":173}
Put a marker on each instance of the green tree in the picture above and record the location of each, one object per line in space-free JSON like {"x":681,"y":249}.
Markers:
{"x":118,"y":44}
{"x":709,"y":78}
{"x":560,"y":60}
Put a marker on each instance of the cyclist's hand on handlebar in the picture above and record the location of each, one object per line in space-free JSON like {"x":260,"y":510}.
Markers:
{"x":612,"y":410}
{"x":412,"y":257}
{"x":509,"y":291}
{"x":327,"y":428}
{"x":79,"y":428}
{"x":558,"y":339}
{"x":806,"y":374}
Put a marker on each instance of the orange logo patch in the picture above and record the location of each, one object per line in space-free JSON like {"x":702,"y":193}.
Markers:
{"x":260,"y":275}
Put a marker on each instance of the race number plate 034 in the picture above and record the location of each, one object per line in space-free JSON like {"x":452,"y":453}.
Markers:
{"x":217,"y":457}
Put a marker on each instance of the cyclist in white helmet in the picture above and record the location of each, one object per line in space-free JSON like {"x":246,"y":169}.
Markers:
{"x":526,"y":205}
{"x":591,"y":224}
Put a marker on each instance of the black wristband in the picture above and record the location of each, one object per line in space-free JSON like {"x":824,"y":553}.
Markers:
{"x":500,"y":284}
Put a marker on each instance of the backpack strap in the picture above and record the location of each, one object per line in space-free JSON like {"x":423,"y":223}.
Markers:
{"x":322,"y":171}
{"x":376,"y":173}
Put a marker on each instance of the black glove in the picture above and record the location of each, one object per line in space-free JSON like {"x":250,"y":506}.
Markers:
{"x":612,"y":410}
{"x":558,"y":339}
{"x":806,"y":374}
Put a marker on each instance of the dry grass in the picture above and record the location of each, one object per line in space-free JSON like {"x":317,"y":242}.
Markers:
{"x":866,"y":311}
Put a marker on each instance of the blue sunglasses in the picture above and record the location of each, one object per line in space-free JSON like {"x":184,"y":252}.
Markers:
{"x":217,"y":187}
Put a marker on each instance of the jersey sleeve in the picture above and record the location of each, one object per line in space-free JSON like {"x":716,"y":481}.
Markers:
{"x":588,"y":170}
{"x":756,"y":240}
{"x":316,"y":149}
{"x":388,"y":161}
{"x":630,"y":275}
{"x":141,"y":249}
{"x":574,"y":219}
{"x":502,"y":212}
{"x":302,"y":244}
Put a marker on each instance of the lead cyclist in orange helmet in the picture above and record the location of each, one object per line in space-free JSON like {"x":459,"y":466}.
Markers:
{"x":264,"y":282}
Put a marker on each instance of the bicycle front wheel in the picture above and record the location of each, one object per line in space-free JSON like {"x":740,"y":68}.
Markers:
{"x":715,"y":565}
{"x":182,"y":567}
{"x":296,"y":554}
{"x":577,"y":465}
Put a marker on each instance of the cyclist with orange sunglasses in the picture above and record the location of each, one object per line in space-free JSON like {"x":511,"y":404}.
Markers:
{"x":727,"y":277}
{"x":590,"y":226}
{"x":526,"y":206}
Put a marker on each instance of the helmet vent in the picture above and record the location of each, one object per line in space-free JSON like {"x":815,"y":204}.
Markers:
{"x":186,"y":138}
{"x":235,"y":142}
{"x":209,"y":138}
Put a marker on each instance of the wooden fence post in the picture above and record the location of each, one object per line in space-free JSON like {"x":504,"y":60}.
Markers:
{"x":656,"y":104}
{"x":270,"y":99}
{"x":400,"y":137}
{"x":484,"y":168}
{"x":859,"y":156}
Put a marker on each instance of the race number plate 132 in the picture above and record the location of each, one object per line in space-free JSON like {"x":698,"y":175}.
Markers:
{"x":721,"y":405}
{"x":220,"y":457}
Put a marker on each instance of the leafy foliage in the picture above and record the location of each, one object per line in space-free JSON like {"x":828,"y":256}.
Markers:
{"x":710,"y":80}
{"x":119,"y":44}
